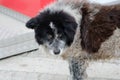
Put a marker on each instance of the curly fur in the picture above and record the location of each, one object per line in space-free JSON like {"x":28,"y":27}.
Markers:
{"x":99,"y":36}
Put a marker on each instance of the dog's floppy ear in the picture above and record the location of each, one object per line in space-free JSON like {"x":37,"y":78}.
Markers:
{"x":32,"y":23}
{"x":70,"y":29}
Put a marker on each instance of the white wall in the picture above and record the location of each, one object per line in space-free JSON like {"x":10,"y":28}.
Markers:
{"x":103,"y":1}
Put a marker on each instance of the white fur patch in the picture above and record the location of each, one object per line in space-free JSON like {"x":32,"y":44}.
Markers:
{"x":51,"y":25}
{"x":62,"y":6}
{"x":111,"y":47}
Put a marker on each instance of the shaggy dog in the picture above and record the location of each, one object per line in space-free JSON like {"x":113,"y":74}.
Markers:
{"x":79,"y":32}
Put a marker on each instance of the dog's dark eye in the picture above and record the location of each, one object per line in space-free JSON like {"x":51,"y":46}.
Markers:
{"x":49,"y":36}
{"x":60,"y":36}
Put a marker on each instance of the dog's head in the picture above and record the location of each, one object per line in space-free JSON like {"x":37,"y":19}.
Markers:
{"x":55,"y":27}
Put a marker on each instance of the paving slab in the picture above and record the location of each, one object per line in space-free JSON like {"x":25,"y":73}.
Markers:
{"x":23,"y":68}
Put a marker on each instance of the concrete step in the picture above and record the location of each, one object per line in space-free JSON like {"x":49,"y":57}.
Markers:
{"x":15,"y":38}
{"x":28,"y":68}
{"x":19,"y":68}
{"x":18,"y":44}
{"x":100,"y":70}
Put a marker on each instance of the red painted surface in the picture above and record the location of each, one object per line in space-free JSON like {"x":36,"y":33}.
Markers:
{"x":26,"y":7}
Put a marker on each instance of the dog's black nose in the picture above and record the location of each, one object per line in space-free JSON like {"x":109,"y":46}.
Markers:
{"x":56,"y":52}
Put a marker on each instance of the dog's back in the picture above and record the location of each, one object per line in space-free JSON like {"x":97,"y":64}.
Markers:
{"x":99,"y":32}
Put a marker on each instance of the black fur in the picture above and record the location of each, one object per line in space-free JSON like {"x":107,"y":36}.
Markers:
{"x":65,"y":24}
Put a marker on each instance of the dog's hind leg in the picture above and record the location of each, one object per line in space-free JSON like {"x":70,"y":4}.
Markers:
{"x":78,"y":68}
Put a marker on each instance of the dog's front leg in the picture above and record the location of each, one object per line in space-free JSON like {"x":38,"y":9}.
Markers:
{"x":78,"y":68}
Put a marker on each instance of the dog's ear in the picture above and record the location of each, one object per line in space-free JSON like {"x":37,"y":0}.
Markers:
{"x":32,"y":23}
{"x":70,"y":30}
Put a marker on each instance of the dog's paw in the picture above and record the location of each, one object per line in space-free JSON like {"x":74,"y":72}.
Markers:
{"x":32,"y":23}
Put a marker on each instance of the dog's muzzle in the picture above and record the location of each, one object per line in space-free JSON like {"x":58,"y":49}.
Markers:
{"x":57,"y":46}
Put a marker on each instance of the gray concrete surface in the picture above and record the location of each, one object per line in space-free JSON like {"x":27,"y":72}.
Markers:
{"x":29,"y":67}
{"x":15,"y":38}
{"x":25,"y":68}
